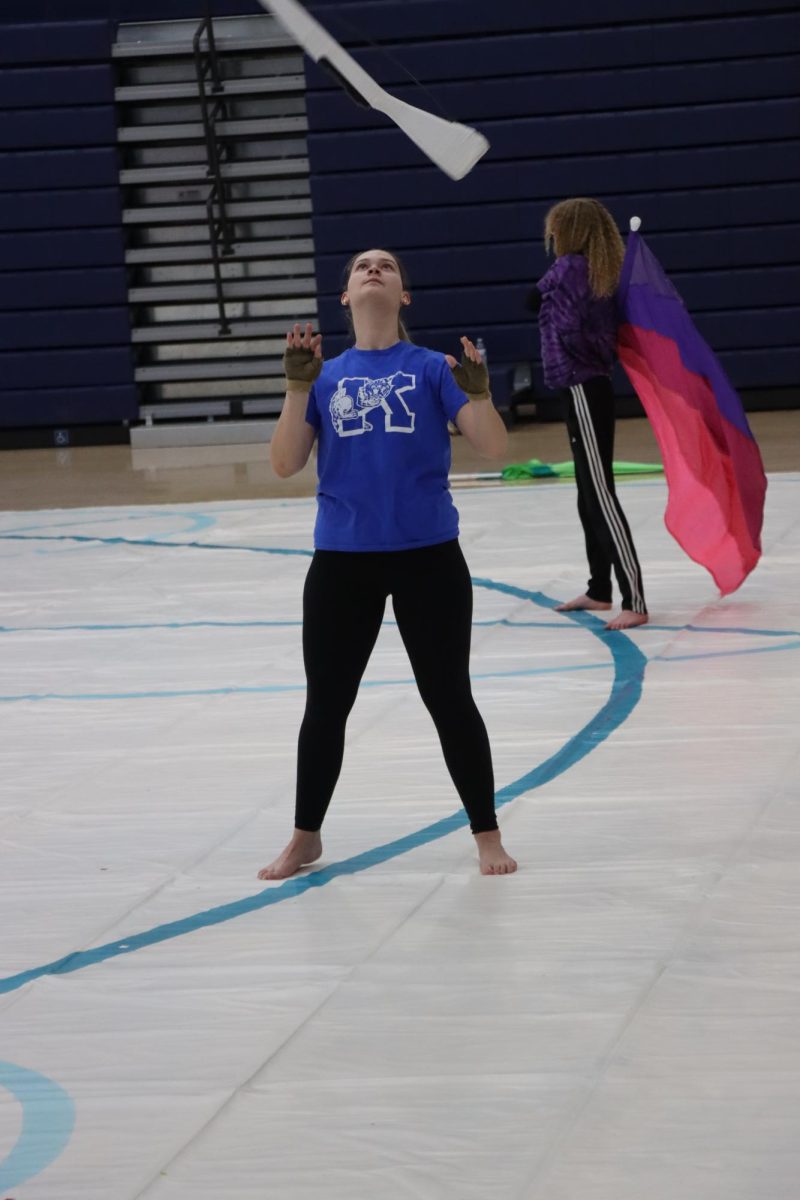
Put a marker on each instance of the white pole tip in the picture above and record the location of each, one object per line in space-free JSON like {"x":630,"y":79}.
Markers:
{"x":636,"y":224}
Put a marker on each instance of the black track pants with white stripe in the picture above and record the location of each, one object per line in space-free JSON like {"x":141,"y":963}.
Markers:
{"x":590,"y":424}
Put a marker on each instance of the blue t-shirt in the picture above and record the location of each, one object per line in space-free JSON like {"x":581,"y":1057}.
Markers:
{"x":384,"y":449}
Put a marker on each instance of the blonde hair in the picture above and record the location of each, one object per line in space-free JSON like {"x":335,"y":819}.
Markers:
{"x":584,"y":226}
{"x":402,"y":332}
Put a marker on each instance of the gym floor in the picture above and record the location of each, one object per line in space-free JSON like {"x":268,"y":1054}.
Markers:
{"x":70,"y":478}
{"x":616,"y":1021}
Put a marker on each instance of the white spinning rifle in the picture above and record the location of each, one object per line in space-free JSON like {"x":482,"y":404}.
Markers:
{"x":455,"y":148}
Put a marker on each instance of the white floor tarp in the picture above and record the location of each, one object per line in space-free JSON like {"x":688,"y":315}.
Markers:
{"x":618,"y":1021}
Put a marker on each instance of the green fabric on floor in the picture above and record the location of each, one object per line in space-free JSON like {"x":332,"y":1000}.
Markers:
{"x":536,"y":469}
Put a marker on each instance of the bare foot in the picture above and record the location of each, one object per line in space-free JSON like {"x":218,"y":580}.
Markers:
{"x":304,"y":848}
{"x":493,"y":858}
{"x":628,"y":620}
{"x":583,"y":602}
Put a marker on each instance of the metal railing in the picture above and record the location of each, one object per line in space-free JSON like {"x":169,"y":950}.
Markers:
{"x":213,"y":107}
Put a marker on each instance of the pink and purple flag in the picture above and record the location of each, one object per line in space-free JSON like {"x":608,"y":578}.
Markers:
{"x":712,"y":463}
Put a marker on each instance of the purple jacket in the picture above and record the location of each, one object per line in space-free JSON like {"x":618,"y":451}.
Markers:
{"x":578,"y":330}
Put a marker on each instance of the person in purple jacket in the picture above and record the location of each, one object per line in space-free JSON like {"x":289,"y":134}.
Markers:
{"x":578,"y":329}
{"x":386,"y":526}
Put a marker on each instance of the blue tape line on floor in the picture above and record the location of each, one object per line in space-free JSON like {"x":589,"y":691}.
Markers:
{"x":629,"y":665}
{"x":48,"y":1117}
{"x":35,"y":1150}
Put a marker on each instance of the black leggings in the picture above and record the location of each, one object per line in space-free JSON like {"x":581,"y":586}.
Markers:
{"x":343,"y":605}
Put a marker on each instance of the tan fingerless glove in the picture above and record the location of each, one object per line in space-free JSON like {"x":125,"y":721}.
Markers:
{"x":302,"y":366}
{"x":472,"y":378}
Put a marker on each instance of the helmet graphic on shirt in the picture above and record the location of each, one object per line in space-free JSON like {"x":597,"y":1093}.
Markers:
{"x":373,"y":392}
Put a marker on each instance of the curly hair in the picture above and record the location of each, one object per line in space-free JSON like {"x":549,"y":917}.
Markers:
{"x":585,"y":226}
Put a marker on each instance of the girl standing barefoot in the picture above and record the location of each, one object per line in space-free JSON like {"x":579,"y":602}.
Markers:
{"x":578,"y":327}
{"x":386,"y":526}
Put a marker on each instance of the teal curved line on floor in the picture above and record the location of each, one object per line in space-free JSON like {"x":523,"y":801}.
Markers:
{"x":304,"y":553}
{"x":668,"y":658}
{"x":48,"y":1118}
{"x":87,"y":539}
{"x":719,"y":629}
{"x":132,"y":626}
{"x":196,"y":522}
{"x":255,"y":623}
{"x":273,"y":688}
{"x":629,"y":665}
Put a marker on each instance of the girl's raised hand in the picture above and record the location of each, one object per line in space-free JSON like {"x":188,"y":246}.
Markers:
{"x":299,"y":338}
{"x":302,"y":358}
{"x":469,"y":350}
{"x":470,"y":374}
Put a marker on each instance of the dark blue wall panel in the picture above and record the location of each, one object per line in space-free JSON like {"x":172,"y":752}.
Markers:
{"x":32,"y":169}
{"x":65,"y":353}
{"x":27,"y":41}
{"x":70,"y":367}
{"x":21,"y":129}
{"x":692,"y":129}
{"x":76,"y":84}
{"x":64,"y":248}
{"x":684,"y":113}
{"x":60,"y":209}
{"x":550,"y":53}
{"x":614,"y":91}
{"x":64,"y":327}
{"x":407,"y":20}
{"x":32,"y":11}
{"x":63,"y":281}
{"x":21,"y":290}
{"x":754,"y":206}
{"x":69,"y":406}
{"x":486,"y":263}
{"x":536,"y":184}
